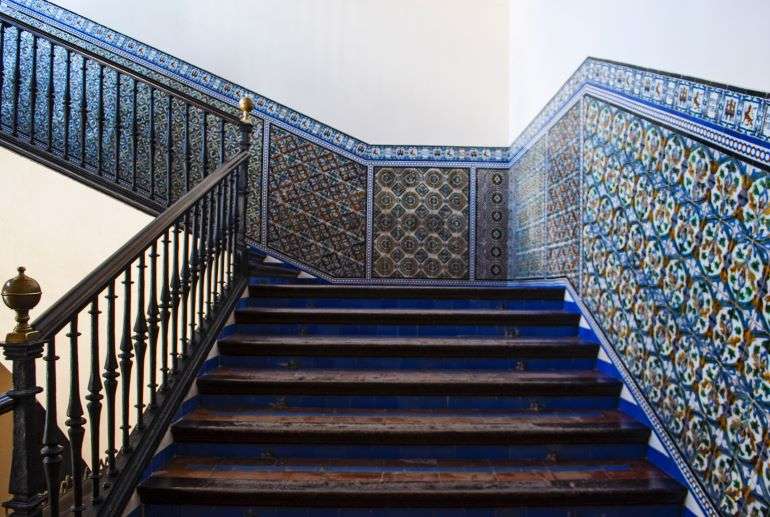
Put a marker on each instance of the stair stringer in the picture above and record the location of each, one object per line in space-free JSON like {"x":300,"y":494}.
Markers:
{"x":661,"y":449}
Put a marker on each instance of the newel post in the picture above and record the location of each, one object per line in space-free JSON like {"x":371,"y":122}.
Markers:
{"x":22,"y":348}
{"x":246,"y":125}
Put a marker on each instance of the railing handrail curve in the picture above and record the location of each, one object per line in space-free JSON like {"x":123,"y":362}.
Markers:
{"x":59,"y":314}
{"x":189,"y":99}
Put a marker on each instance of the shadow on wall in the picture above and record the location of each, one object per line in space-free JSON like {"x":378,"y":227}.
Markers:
{"x":6,"y":430}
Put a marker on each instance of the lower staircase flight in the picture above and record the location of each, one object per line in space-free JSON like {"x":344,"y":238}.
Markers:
{"x":339,"y":401}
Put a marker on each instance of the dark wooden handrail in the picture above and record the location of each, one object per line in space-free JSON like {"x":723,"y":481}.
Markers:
{"x":192,"y":101}
{"x":6,"y":403}
{"x":60,"y":313}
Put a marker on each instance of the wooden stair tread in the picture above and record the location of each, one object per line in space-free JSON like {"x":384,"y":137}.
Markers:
{"x":252,"y":344}
{"x":464,"y":293}
{"x":401,"y":483}
{"x":466,"y":382}
{"x":406,"y":316}
{"x":300,"y":425}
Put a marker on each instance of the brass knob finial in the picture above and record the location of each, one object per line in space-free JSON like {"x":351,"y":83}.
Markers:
{"x":246,"y":104}
{"x":21,"y":294}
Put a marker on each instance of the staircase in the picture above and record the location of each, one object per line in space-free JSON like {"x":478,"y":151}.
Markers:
{"x":333,"y":400}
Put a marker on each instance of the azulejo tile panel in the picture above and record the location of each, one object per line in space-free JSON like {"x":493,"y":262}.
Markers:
{"x":675,"y":250}
{"x":421,"y":222}
{"x":527,"y":182}
{"x":316,"y":206}
{"x":491,"y":224}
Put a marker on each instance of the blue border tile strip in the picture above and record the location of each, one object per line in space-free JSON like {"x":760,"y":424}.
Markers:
{"x":733,"y":117}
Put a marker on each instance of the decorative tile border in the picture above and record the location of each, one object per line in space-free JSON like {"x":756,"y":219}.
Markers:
{"x":739,"y":118}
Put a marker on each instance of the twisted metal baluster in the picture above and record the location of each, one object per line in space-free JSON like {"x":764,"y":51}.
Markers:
{"x":94,"y":398}
{"x":75,"y":421}
{"x":52,"y":449}
{"x":110,"y":376}
{"x":140,"y":342}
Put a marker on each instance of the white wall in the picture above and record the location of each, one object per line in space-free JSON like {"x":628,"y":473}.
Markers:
{"x":721,"y":41}
{"x":384,"y":71}
{"x":59,"y":229}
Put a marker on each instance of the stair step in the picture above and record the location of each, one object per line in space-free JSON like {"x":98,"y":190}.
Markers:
{"x":354,"y":346}
{"x":574,"y":383}
{"x":266,"y":315}
{"x":263,"y":269}
{"x":461,"y":293}
{"x":345,"y":426}
{"x":394,"y":483}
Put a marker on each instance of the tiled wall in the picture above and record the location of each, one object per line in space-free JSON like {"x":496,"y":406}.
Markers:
{"x":675,"y":270}
{"x":545,"y":204}
{"x":421,"y":222}
{"x":316,"y":206}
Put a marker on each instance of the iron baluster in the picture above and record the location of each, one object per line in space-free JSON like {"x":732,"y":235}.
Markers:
{"x":16,"y":84}
{"x":133,"y":135}
{"x":33,"y":91}
{"x":75,"y":421}
{"x":110,"y":376}
{"x":52,"y":449}
{"x":125,"y":358}
{"x":140,"y":341}
{"x":194,"y":269}
{"x":165,"y":314}
{"x":50,"y":99}
{"x":99,"y":120}
{"x":169,"y":151}
{"x":83,"y":115}
{"x":66,"y":105}
{"x":176,"y":294}
{"x":153,"y":320}
{"x":186,"y":276}
{"x":152,"y":143}
{"x":94,"y":398}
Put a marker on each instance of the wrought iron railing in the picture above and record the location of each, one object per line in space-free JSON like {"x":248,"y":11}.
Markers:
{"x":168,"y":291}
{"x":103,"y":124}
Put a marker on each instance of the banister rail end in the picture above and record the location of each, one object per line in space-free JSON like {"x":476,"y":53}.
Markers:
{"x":21,"y":294}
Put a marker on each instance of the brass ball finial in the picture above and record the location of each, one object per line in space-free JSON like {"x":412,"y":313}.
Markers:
{"x":21,"y":294}
{"x":246,"y":104}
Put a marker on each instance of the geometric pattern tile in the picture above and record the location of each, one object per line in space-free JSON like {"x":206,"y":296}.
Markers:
{"x":563,"y":217}
{"x":676,"y":247}
{"x":491,"y":224}
{"x":526,"y":248}
{"x":421,"y":223}
{"x":316,"y":206}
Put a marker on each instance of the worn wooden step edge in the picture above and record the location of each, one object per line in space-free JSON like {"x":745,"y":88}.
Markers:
{"x":405,"y":382}
{"x":464,"y":293}
{"x":255,"y":345}
{"x":653,"y":489}
{"x":406,"y":316}
{"x":213,"y":430}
